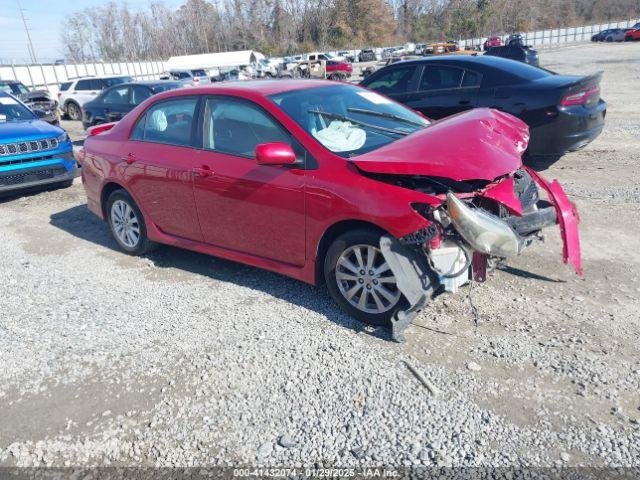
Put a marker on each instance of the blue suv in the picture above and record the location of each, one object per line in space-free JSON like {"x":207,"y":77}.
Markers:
{"x":32,"y":152}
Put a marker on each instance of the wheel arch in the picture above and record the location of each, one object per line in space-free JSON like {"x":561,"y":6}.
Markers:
{"x":107,"y":190}
{"x":333,"y":232}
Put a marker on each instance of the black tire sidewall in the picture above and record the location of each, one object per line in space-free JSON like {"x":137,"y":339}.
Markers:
{"x":339,"y":245}
{"x":144,"y":245}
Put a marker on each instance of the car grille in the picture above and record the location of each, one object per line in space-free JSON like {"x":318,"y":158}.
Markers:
{"x":28,"y":147}
{"x":20,"y":161}
{"x":30,"y":176}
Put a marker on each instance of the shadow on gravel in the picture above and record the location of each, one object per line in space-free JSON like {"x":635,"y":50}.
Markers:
{"x":540,"y":164}
{"x":81,"y":223}
{"x":524,"y":274}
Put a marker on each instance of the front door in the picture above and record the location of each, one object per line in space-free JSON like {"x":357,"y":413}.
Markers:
{"x":159,"y":163}
{"x":243,"y":206}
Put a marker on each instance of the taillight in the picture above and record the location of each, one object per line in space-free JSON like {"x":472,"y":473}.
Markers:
{"x":196,"y":79}
{"x":98,"y":129}
{"x":582,"y":97}
{"x":59,"y":93}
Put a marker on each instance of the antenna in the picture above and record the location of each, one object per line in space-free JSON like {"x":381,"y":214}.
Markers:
{"x":32,"y":52}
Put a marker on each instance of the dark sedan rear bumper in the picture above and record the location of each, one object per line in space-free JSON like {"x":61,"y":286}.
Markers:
{"x":572,"y":129}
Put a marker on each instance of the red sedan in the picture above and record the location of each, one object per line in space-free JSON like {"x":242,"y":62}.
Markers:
{"x":326,"y":183}
{"x":632,"y":35}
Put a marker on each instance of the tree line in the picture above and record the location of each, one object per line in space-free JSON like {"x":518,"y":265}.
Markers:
{"x":115,"y":32}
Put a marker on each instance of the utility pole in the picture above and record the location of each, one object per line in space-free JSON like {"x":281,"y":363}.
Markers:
{"x":32,"y":52}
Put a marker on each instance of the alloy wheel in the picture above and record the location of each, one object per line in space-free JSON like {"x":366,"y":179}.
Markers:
{"x":125,"y":223}
{"x":365,"y":279}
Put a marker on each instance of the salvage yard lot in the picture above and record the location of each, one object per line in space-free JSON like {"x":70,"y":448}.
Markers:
{"x":183,"y":359}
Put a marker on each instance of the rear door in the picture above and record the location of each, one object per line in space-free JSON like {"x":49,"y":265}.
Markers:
{"x":86,"y":90}
{"x":444,"y":90}
{"x":159,"y":161}
{"x":397,"y":82}
{"x":243,"y":206}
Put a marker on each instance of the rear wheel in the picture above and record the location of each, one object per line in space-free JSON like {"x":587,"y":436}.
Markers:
{"x":127,"y":224}
{"x":360,"y":280}
{"x":73,"y":111}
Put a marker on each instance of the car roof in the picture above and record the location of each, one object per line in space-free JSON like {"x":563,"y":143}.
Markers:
{"x":260,"y":87}
{"x":482,"y":60}
{"x":148,"y":83}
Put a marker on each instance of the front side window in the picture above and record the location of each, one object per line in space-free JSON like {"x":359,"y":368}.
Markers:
{"x":347,"y":119}
{"x":395,"y":80}
{"x":436,"y":77}
{"x":237,"y":127}
{"x":168,"y":122}
{"x":116,"y":96}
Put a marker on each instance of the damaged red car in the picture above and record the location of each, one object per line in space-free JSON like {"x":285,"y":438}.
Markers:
{"x":325,"y":183}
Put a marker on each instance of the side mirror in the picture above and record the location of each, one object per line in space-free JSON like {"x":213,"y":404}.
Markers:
{"x":275,"y":153}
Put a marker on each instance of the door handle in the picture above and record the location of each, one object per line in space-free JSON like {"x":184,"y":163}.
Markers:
{"x":203,"y":171}
{"x":129,"y":159}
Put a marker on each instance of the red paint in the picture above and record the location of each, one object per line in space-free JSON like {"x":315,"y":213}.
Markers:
{"x":492,"y":42}
{"x":275,"y":153}
{"x":568,"y":220}
{"x":274,"y":216}
{"x":480,"y":144}
{"x":503,"y":192}
{"x":632,"y":35}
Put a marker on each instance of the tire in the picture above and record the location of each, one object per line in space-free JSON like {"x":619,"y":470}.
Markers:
{"x":117,"y":204}
{"x":609,"y":39}
{"x":73,"y":111}
{"x":343,"y":275}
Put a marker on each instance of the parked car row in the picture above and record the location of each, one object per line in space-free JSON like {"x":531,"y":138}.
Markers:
{"x":618,"y":34}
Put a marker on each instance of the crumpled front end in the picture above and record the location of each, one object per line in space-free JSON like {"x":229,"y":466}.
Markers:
{"x":470,"y":230}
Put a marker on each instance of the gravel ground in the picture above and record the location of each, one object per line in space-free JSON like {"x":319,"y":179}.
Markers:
{"x":179,"y":359}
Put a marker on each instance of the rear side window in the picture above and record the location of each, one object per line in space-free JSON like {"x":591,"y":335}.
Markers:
{"x":394,"y":80}
{"x":436,"y":77}
{"x":139,"y":94}
{"x":84,"y":85}
{"x":65,"y":86}
{"x":237,"y":127}
{"x":167,"y":122}
{"x":471,"y":79}
{"x":116,"y":96}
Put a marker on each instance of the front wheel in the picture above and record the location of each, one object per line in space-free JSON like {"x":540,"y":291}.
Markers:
{"x":127,"y":224}
{"x":360,"y":280}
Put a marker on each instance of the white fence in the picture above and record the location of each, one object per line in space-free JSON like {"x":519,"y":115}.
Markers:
{"x":560,"y":36}
{"x":49,"y":77}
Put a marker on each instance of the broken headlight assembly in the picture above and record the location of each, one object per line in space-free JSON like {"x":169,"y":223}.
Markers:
{"x":483,"y":231}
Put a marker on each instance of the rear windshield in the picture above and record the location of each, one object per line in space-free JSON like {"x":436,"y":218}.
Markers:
{"x":117,"y":80}
{"x":516,"y":71}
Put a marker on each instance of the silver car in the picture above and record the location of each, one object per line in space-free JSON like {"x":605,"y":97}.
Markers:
{"x":187,"y":76}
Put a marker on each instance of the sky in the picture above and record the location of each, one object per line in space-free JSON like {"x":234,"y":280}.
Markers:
{"x":44,"y":18}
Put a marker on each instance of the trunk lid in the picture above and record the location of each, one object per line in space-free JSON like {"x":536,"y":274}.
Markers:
{"x":481,"y":144}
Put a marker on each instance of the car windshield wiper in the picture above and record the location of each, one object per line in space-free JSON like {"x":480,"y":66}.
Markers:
{"x":344,"y":118}
{"x":364,"y":111}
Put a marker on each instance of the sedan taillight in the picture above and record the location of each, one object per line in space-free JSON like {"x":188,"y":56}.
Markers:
{"x":583,"y":97}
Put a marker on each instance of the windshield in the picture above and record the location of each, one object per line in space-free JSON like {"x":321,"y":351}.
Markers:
{"x":117,"y":80}
{"x":349,"y":120}
{"x":12,"y":111}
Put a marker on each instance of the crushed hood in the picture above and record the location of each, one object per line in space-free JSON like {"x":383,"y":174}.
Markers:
{"x":481,"y":144}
